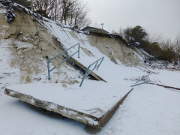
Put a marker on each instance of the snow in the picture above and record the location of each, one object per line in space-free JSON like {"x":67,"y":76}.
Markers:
{"x":149,"y":110}
{"x":7,"y":73}
{"x":166,"y":77}
{"x":2,"y":11}
{"x":109,"y":71}
{"x":19,"y":119}
{"x":23,"y":45}
{"x":18,"y":44}
{"x":89,"y":99}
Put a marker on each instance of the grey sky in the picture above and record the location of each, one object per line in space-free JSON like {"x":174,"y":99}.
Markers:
{"x":159,"y":17}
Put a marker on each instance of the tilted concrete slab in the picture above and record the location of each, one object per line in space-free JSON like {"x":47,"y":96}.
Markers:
{"x":82,"y":67}
{"x":91,"y":109}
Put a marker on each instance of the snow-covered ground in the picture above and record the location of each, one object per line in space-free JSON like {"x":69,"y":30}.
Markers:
{"x":165,"y":77}
{"x":148,"y":110}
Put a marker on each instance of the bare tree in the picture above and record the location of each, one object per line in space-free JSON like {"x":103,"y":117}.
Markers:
{"x":80,"y":14}
{"x":71,"y":12}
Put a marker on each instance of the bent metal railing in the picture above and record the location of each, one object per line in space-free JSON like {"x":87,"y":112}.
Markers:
{"x":66,"y":55}
{"x":94,"y":66}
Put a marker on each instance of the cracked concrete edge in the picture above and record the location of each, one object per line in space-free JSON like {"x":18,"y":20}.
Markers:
{"x":81,"y":117}
{"x":107,"y":116}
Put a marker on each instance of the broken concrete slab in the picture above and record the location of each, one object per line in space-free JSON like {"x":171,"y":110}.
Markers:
{"x":93,"y":110}
{"x":82,"y":67}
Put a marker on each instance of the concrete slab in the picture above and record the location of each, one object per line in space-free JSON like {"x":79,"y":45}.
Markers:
{"x":87,"y":107}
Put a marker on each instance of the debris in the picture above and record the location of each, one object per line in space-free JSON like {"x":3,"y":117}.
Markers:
{"x":165,"y":86}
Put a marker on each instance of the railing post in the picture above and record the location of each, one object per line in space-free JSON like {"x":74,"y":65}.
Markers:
{"x":79,"y":51}
{"x":95,"y":65}
{"x":100,"y":63}
{"x":68,"y":57}
{"x":48,"y":66}
{"x":85,"y":75}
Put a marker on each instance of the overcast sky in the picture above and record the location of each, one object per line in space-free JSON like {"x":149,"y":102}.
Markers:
{"x":158,"y":17}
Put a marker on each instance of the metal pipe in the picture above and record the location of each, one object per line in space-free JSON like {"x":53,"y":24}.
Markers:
{"x":97,"y":61}
{"x":100,"y":63}
{"x":49,"y":72}
{"x":61,"y":54}
{"x":88,"y":71}
{"x":52,"y":69}
{"x":79,"y":51}
{"x":77,"y":44}
{"x":85,"y":76}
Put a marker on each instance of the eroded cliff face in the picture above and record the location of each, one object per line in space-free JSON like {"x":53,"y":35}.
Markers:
{"x":116,"y":50}
{"x":29,"y":44}
{"x":113,"y":48}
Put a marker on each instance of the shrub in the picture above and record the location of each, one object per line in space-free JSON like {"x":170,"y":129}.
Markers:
{"x":168,"y":51}
{"x":135,"y":34}
{"x":153,"y":49}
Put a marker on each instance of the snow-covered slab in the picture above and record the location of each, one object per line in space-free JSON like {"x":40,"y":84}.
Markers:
{"x":91,"y":106}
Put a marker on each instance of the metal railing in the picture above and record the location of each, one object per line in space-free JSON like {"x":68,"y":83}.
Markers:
{"x":65,"y":55}
{"x":94,"y":66}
